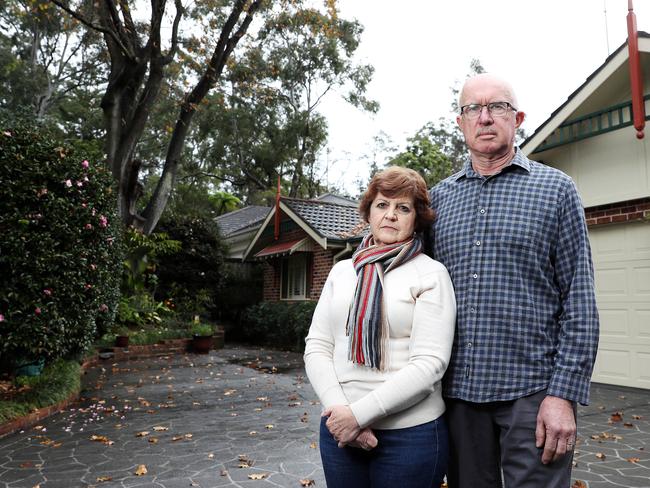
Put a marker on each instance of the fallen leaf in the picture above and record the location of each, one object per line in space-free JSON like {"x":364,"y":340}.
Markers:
{"x":189,"y":436}
{"x":229,"y":392}
{"x":210,"y":456}
{"x":313,"y":445}
{"x":269,"y":426}
{"x":224,"y":472}
{"x":262,"y":399}
{"x":252,"y":432}
{"x":27,"y":464}
{"x":153,"y":440}
{"x":102,"y":438}
{"x":144,"y":433}
{"x":579,"y":484}
{"x":307,"y":482}
{"x":102,"y":479}
{"x":616,"y":417}
{"x":160,"y":428}
{"x":600,"y":455}
{"x":140,"y":470}
{"x":177,"y":438}
{"x":637,"y":417}
{"x":633,"y":460}
{"x":304,"y":418}
{"x":628,"y":424}
{"x":257,"y":476}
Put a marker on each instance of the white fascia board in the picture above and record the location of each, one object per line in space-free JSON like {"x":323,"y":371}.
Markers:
{"x":259,"y":233}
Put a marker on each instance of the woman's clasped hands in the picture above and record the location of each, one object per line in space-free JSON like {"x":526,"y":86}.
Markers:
{"x":344,"y":428}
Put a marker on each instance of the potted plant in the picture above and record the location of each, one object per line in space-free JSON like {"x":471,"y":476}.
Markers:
{"x":201,"y":337}
{"x":122,"y":336}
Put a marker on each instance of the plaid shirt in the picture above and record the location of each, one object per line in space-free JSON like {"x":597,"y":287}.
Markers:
{"x":517,"y":250}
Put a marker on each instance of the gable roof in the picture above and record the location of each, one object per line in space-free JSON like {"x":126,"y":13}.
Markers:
{"x":613,"y":62}
{"x":241,"y":219}
{"x":331,"y":197}
{"x":325,"y":222}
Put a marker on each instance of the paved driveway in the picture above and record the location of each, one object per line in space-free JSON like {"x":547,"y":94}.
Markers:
{"x":244,"y":417}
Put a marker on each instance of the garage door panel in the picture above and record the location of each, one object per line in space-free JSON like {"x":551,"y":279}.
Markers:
{"x":621,"y":256}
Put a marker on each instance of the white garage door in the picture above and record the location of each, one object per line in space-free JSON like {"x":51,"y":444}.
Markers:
{"x":621,"y":256}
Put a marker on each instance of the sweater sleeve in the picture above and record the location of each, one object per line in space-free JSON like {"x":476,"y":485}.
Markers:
{"x":430,"y":345}
{"x":319,"y":350}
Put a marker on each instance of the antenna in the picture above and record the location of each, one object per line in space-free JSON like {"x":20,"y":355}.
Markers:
{"x":606,"y":30}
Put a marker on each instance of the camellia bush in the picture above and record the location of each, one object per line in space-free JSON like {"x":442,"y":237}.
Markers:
{"x":60,"y":246}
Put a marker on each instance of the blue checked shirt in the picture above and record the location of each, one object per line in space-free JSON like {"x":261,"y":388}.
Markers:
{"x":517,"y":250}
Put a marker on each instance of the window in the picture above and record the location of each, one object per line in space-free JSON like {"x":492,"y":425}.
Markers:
{"x":294,"y":277}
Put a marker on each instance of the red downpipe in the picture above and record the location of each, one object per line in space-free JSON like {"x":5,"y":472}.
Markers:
{"x":276,"y":232}
{"x":636,"y":78}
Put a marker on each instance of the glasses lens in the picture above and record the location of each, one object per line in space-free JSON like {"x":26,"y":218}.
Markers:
{"x":472,"y":111}
{"x":498,"y":108}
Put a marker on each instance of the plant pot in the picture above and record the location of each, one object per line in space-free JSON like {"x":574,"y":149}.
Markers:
{"x":29,"y":367}
{"x":201,"y":344}
{"x":121,"y":341}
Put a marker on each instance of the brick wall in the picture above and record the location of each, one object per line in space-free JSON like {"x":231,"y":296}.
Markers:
{"x":618,"y":212}
{"x":272,"y":269}
{"x":322,"y":261}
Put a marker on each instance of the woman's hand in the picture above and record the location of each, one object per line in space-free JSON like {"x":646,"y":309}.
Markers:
{"x":366,"y":440}
{"x":342,"y":424}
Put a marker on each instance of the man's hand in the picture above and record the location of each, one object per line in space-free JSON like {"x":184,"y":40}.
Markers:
{"x":556,"y":428}
{"x":342,"y":424}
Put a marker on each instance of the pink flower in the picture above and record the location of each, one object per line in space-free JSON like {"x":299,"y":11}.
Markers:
{"x":93,"y":267}
{"x":37,"y":310}
{"x":84,"y":205}
{"x":88,"y":286}
{"x":103,"y":307}
{"x":103,"y":221}
{"x":80,"y":184}
{"x":2,"y":318}
{"x":68,"y":183}
{"x":84,"y":164}
{"x":88,"y":226}
{"x":86,"y":179}
{"x":48,"y":292}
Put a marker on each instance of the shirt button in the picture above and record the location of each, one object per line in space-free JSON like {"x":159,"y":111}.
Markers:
{"x":469,"y":344}
{"x":472,"y":309}
{"x":478,"y":243}
{"x":474,"y":276}
{"x":482,"y":211}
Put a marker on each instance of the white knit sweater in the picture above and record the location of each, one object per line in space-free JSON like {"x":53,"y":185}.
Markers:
{"x":421,"y":309}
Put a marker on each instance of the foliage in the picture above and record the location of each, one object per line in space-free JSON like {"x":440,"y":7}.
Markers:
{"x":145,"y":336}
{"x":61,"y":245}
{"x":59,"y":381}
{"x":141,"y":253}
{"x":424,"y":156}
{"x":140,"y":310}
{"x":201,"y":329}
{"x":279,"y":324}
{"x":192,"y":276}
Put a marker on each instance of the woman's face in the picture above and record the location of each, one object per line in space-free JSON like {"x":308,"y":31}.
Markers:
{"x":391,"y":219}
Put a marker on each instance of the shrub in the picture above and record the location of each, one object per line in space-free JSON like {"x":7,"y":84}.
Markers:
{"x":192,"y":276}
{"x":279,"y":324}
{"x":60,"y":245}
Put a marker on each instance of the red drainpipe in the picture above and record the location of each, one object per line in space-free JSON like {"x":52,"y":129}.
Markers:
{"x":636,"y":78}
{"x":276,"y":233}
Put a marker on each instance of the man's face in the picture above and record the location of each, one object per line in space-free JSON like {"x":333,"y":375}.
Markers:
{"x":489,"y":135}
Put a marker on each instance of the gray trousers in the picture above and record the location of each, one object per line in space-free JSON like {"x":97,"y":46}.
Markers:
{"x":492,"y":445}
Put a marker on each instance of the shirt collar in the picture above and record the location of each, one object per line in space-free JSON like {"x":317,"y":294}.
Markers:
{"x":468,"y":171}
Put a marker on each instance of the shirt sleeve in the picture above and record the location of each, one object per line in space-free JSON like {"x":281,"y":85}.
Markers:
{"x":578,"y":321}
{"x":319,"y":350}
{"x":431,"y":339}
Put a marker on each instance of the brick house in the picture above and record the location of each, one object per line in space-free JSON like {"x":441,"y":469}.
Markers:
{"x":596,"y":137}
{"x":299,"y":242}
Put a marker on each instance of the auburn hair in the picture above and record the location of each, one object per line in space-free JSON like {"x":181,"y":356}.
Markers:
{"x":394,"y":182}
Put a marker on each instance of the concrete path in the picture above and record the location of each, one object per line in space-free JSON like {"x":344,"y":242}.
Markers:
{"x":244,"y":417}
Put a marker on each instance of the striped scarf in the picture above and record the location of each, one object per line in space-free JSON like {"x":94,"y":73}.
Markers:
{"x":367,"y":327}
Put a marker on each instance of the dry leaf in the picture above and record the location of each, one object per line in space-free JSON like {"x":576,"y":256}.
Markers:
{"x":229,"y":392}
{"x":579,"y":484}
{"x":224,"y":472}
{"x":262,"y":399}
{"x":637,"y":417}
{"x":102,"y":438}
{"x":101,"y":479}
{"x":177,"y":438}
{"x":189,"y":436}
{"x":144,"y":433}
{"x":616,"y":417}
{"x":153,"y":440}
{"x":257,"y":476}
{"x":140,"y":470}
{"x":307,"y":482}
{"x":633,"y":460}
{"x":313,"y":445}
{"x":269,"y":426}
{"x":210,"y":456}
{"x":628,"y":424}
{"x":27,"y":464}
{"x":252,"y":432}
{"x":160,"y":428}
{"x":600,"y":455}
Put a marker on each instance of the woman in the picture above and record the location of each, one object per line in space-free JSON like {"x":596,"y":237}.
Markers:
{"x":378,"y":345}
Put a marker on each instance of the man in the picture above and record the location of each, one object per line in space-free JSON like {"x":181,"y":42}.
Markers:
{"x":513,"y":236}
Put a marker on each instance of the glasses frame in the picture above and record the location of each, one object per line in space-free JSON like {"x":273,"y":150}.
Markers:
{"x":486,"y":105}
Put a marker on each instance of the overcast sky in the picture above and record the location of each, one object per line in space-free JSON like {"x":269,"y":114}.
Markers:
{"x":420,"y":48}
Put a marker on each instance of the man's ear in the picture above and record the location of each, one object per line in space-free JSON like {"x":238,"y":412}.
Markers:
{"x":519,"y":118}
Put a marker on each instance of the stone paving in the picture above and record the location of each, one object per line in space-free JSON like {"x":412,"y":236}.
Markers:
{"x":245,"y":417}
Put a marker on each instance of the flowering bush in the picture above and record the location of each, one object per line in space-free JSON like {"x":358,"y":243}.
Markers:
{"x":60,"y":245}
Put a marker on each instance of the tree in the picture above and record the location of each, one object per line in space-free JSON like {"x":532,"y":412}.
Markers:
{"x":424,"y":156}
{"x":139,"y":60}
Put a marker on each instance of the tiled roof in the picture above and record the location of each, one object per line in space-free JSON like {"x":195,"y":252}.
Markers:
{"x":241,"y":219}
{"x":332,"y":198}
{"x":330,"y":220}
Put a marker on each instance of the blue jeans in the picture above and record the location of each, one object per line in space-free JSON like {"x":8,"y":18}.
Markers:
{"x":415,"y":457}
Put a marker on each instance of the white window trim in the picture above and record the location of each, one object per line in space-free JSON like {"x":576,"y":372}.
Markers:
{"x":297,"y":259}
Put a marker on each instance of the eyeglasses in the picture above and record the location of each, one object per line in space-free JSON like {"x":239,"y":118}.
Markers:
{"x":496,"y":109}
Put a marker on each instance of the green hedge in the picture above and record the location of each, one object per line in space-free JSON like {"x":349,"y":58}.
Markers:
{"x":278,"y":324}
{"x":60,"y":245}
